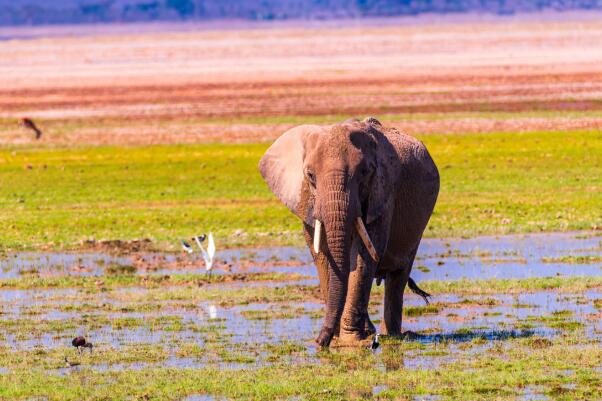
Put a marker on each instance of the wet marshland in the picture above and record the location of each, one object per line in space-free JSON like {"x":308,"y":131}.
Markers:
{"x":262,"y":307}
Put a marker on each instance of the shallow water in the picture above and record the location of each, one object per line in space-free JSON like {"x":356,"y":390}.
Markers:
{"x":507,"y":256}
{"x":249,"y":328}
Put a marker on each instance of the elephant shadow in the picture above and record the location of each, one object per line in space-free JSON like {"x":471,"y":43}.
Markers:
{"x":462,"y":336}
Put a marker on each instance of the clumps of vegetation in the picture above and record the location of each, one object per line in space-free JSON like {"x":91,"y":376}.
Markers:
{"x":572,"y":259}
{"x":284,"y":348}
{"x":114,"y":269}
{"x":412,"y":311}
{"x":566,"y":325}
{"x":122,"y":276}
{"x":423,"y":269}
{"x":539,"y":342}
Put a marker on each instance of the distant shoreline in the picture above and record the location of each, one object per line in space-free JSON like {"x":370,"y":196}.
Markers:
{"x":24,"y":32}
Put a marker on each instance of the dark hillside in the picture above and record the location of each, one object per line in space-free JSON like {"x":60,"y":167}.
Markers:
{"x":27,"y":12}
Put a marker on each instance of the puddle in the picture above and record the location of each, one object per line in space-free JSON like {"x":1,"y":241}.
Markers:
{"x":201,"y":397}
{"x":509,"y":256}
{"x":376,"y":390}
{"x":56,"y":264}
{"x":427,"y":398}
{"x":534,"y":393}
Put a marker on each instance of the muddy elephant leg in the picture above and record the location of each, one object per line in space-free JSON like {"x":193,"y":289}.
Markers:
{"x":355,"y":321}
{"x":355,"y":311}
{"x":321,"y":262}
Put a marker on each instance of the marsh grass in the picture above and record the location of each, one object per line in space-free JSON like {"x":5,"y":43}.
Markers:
{"x":578,"y":259}
{"x":117,"y":278}
{"x":491,"y":184}
{"x":476,"y":362}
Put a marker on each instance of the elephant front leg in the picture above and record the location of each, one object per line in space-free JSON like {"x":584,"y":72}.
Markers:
{"x":320,"y":261}
{"x":355,"y":322}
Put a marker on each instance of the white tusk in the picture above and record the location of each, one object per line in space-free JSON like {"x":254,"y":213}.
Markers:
{"x":361,"y":230}
{"x":317,"y":234}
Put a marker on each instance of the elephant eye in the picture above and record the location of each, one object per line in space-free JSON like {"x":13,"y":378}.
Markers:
{"x":311,"y":178}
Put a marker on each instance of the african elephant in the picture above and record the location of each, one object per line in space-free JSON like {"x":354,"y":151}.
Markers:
{"x":365,"y":194}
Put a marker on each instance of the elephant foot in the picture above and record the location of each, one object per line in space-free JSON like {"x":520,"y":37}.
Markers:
{"x":387,"y":332}
{"x":325,"y":337}
{"x":350,"y":338}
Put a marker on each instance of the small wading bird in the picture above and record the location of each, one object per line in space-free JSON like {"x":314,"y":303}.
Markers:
{"x":208,"y":255}
{"x":80,"y":342}
{"x":375,"y":343}
{"x":28,"y":123}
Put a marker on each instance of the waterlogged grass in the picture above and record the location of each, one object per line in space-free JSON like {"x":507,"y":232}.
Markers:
{"x":129,"y":280}
{"x":565,"y":368}
{"x":420,"y":310}
{"x":578,"y":259}
{"x":161,"y":343}
{"x":186,"y":283}
{"x":491,"y":183}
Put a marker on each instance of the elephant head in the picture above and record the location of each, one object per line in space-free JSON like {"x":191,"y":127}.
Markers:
{"x":337,"y":177}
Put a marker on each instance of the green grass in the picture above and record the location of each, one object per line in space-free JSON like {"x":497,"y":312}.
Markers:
{"x":491,"y":183}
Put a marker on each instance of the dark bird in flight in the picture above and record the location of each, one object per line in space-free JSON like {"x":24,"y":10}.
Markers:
{"x":28,"y":123}
{"x":80,"y":342}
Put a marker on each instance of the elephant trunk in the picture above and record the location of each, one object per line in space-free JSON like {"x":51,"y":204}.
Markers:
{"x":337,"y":224}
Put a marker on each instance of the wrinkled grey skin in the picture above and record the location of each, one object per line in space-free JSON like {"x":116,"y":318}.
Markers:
{"x":338,"y":173}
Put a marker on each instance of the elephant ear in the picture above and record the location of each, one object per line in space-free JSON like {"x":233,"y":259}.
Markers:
{"x":282,"y":169}
{"x":387,"y":167}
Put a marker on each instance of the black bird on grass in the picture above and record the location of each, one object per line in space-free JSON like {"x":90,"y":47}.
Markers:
{"x":375,"y":343}
{"x":80,"y":342}
{"x":28,"y":123}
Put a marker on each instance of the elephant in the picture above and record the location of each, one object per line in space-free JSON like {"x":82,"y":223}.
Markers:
{"x":365,"y":194}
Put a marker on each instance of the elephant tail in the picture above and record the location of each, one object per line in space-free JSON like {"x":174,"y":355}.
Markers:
{"x":416,"y":290}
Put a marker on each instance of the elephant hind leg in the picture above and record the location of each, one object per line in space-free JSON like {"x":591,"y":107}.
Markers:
{"x":395,"y":283}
